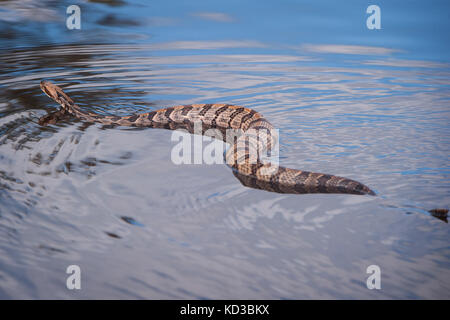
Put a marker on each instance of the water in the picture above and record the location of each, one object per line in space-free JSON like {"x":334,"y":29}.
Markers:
{"x":372,"y":105}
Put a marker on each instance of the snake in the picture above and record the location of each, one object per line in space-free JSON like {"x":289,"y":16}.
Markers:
{"x":252,"y":137}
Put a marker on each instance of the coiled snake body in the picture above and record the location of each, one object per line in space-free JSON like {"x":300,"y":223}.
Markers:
{"x":256,"y":135}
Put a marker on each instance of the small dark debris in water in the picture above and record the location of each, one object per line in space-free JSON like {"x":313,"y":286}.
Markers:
{"x":441,"y":214}
{"x":90,"y":162}
{"x":51,"y":249}
{"x":131,"y":221}
{"x":126,"y":155}
{"x":113,"y":235}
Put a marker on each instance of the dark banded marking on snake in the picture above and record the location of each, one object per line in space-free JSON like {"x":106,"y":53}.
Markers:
{"x":132,"y":118}
{"x":217,"y":114}
{"x":254,"y":174}
{"x":186,"y":109}
{"x":234,"y":115}
{"x":205,"y":109}
{"x":150,"y":116}
{"x":247,"y":116}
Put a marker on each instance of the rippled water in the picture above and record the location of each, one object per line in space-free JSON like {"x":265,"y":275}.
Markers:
{"x":372,"y":107}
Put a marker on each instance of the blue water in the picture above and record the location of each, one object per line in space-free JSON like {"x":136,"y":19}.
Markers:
{"x":371,"y":105}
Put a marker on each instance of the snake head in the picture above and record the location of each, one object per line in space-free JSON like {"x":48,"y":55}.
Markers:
{"x":56,"y":93}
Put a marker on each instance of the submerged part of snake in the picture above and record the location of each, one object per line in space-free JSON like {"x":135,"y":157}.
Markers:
{"x":252,"y":136}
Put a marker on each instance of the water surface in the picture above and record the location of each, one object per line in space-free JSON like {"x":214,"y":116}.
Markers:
{"x":373,"y":106}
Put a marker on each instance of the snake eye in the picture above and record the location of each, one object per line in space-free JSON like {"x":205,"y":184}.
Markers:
{"x":46,"y":91}
{"x":44,"y":87}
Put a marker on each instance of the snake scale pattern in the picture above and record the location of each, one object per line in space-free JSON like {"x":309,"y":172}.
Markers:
{"x":257,"y":135}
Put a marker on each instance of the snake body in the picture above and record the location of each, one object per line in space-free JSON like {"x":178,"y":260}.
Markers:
{"x":256,"y":135}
